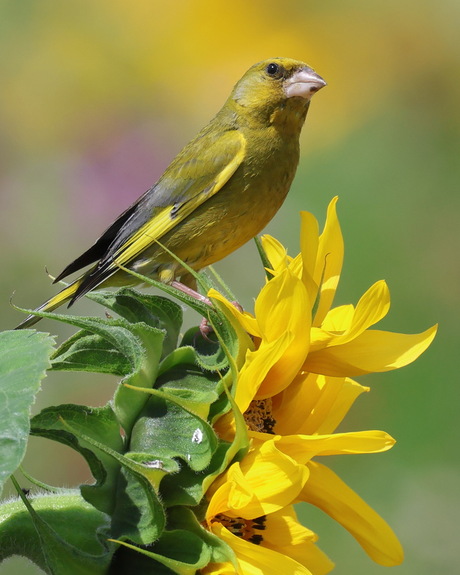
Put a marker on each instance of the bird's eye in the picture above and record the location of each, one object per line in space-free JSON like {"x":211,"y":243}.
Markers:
{"x":273,"y":69}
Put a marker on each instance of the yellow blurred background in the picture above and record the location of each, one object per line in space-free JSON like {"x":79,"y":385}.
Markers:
{"x":97,"y":97}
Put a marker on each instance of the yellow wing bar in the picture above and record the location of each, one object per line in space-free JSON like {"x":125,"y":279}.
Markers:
{"x":164,"y":221}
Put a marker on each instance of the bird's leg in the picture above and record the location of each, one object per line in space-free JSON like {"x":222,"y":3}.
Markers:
{"x":191,"y":292}
{"x":205,"y":326}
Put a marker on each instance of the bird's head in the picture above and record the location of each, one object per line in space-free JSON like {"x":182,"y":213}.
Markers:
{"x":276,"y":87}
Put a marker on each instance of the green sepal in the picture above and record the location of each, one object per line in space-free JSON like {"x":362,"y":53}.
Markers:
{"x":24,"y":358}
{"x":208,"y":353}
{"x":235,"y":451}
{"x":128,"y":560}
{"x":61,"y":533}
{"x":188,"y":554}
{"x":129,"y":403}
{"x":264,"y":258}
{"x":85,"y":351}
{"x":183,"y":488}
{"x":166,"y":429}
{"x":67,"y":424}
{"x":217,"y":278}
{"x":138,"y":515}
{"x":140,"y":345}
{"x":186,"y":383}
{"x":45,"y":487}
{"x":188,"y":487}
{"x":156,"y":311}
{"x":183,"y":518}
{"x":186,"y":546}
{"x":199,"y":306}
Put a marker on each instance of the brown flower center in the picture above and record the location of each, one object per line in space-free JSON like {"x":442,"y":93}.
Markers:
{"x":258,"y":416}
{"x":247,"y":529}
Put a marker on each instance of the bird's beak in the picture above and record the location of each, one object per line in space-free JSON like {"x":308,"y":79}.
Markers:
{"x":303,"y":84}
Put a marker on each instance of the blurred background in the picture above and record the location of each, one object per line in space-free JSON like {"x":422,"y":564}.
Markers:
{"x":97,"y":97}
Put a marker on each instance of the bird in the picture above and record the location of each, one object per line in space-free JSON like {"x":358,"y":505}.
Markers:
{"x":219,"y":192}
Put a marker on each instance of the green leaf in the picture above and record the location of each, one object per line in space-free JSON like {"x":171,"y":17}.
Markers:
{"x":66,"y":424}
{"x":183,"y":518}
{"x":139,"y":344}
{"x":187,"y":487}
{"x":138,"y":515}
{"x":208,"y":353}
{"x":166,"y":430}
{"x":128,"y":561}
{"x":156,"y":311}
{"x":186,"y":547}
{"x":24,"y":358}
{"x":128,"y":403}
{"x":264,"y":258}
{"x":189,"y":386}
{"x":61,"y":533}
{"x":181,"y":551}
{"x":233,"y":452}
{"x":183,"y":488}
{"x":86,"y":351}
{"x":199,"y":306}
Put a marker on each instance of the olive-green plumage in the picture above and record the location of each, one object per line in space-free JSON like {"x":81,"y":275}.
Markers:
{"x":218,"y":193}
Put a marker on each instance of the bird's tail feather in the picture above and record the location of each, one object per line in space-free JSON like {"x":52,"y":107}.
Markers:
{"x":59,"y":299}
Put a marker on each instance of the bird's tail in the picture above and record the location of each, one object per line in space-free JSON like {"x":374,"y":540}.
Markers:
{"x":59,"y":299}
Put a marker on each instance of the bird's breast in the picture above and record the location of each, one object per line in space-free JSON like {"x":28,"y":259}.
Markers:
{"x":236,"y":213}
{"x":244,"y":206}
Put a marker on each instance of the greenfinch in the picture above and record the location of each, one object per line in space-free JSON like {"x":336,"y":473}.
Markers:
{"x":218,"y":193}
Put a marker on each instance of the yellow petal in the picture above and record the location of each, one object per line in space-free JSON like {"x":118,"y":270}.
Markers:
{"x":314,"y":404}
{"x":218,"y":502}
{"x":328,"y":492}
{"x":219,"y":569}
{"x":283,"y":529}
{"x":257,"y":559}
{"x":275,"y":252}
{"x":339,"y":319}
{"x":302,"y":448}
{"x":248,"y":322}
{"x":309,"y":250}
{"x":308,"y":554}
{"x":320,"y":338}
{"x":292,"y":408}
{"x":329,"y":262}
{"x":286,"y":479}
{"x":349,"y":322}
{"x":296,"y":267}
{"x":371,"y":308}
{"x":225,"y":427}
{"x":282,"y":304}
{"x":372,"y":351}
{"x":286,"y":535}
{"x":245,"y":491}
{"x":333,"y":407}
{"x":283,"y":307}
{"x":256,"y":367}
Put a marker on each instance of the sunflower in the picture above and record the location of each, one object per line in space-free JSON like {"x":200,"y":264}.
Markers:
{"x":294,"y":389}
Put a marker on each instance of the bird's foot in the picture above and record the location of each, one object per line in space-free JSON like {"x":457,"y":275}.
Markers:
{"x":191,"y":292}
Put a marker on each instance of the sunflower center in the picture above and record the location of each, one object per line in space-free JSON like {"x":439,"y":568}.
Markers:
{"x":258,"y":416}
{"x":247,"y":529}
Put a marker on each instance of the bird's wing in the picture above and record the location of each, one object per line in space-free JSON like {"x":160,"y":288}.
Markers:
{"x":99,"y":248}
{"x":197,"y":173}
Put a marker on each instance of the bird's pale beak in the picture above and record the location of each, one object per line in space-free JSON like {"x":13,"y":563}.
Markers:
{"x":303,"y":84}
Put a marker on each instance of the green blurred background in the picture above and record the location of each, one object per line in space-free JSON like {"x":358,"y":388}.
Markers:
{"x":97,"y":97}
